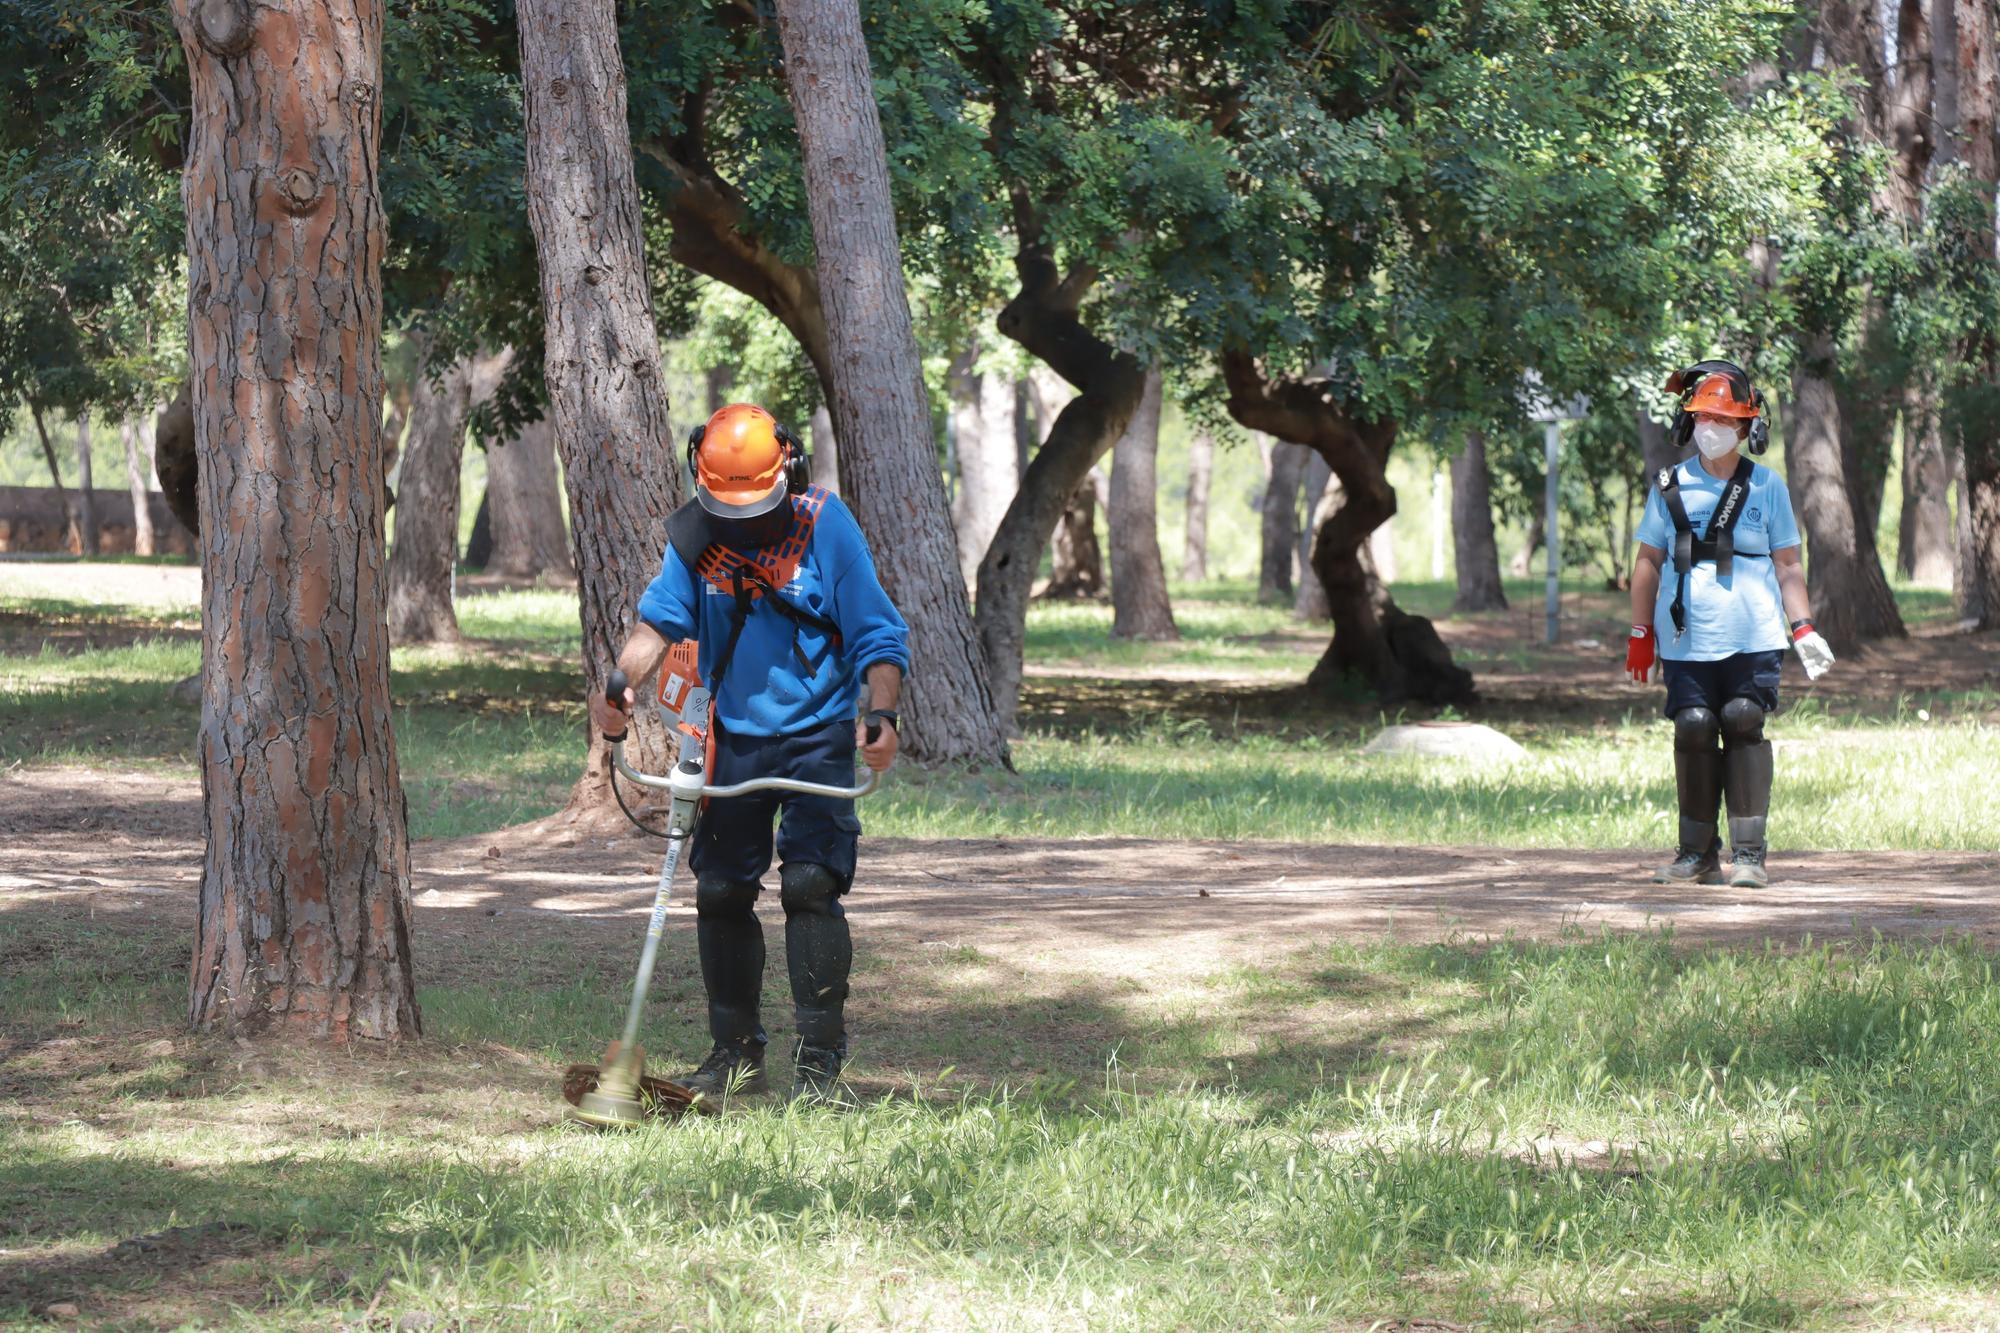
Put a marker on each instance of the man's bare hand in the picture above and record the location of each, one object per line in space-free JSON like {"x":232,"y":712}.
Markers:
{"x":610,"y":721}
{"x":882,"y":753}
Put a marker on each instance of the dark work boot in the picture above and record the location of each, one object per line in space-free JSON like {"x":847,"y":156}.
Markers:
{"x":1748,"y":766}
{"x":1699,"y":860}
{"x":816,"y":1077}
{"x":1698,"y":788}
{"x":733,"y":1067}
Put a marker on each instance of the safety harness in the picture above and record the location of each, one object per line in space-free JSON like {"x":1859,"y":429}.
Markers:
{"x":1718,"y":546}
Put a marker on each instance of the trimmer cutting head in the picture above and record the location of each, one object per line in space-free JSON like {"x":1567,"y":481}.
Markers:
{"x":623,"y":1096}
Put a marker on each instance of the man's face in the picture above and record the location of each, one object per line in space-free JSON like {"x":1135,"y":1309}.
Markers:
{"x":1737,"y":424}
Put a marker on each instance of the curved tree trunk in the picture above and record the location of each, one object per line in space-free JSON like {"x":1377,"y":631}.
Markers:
{"x":1850,"y":597}
{"x":1279,"y":514}
{"x":135,"y":478}
{"x":1322,"y":489}
{"x":524,"y":507}
{"x":982,"y":415}
{"x":86,"y":496}
{"x":1924,"y":551}
{"x":1396,"y":654}
{"x":304,"y":917}
{"x":1076,"y":566}
{"x":880,"y":407}
{"x":825,"y":448}
{"x":1201,"y":473}
{"x":1477,"y":554}
{"x":425,"y":553}
{"x":1140,"y":608}
{"x":601,"y":349}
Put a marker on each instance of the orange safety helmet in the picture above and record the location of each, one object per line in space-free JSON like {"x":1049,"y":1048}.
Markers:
{"x":745,"y":463}
{"x":1715,"y":396}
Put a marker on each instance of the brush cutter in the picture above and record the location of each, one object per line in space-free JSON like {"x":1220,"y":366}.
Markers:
{"x":622,"y":1094}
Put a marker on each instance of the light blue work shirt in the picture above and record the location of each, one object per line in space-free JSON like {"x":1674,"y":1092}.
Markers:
{"x":1745,"y":612}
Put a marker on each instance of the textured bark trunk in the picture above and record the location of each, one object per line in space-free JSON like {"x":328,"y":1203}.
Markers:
{"x":524,"y":507}
{"x":74,"y":539}
{"x":135,"y":477}
{"x":982,"y":415}
{"x":304,"y":919}
{"x":825,"y":447}
{"x":86,"y":503}
{"x":1201,"y":471}
{"x":1140,"y":608}
{"x":1968,"y":585}
{"x":1924,"y":547}
{"x":1076,"y":568}
{"x":880,"y":408}
{"x":1322,"y":490}
{"x":1850,"y":596}
{"x":1279,"y":513}
{"x":1477,"y":554}
{"x":479,"y":542}
{"x":424,"y":557}
{"x":175,"y":461}
{"x":607,"y":400}
{"x":1979,"y":117}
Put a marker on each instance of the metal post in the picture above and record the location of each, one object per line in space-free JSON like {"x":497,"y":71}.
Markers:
{"x":1552,"y":438}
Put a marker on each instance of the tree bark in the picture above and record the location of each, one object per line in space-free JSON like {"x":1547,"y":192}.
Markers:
{"x":304,"y":919}
{"x":135,"y":478}
{"x":1397,"y":654}
{"x":1076,"y":568}
{"x":1322,"y":491}
{"x":1850,"y":596}
{"x":1924,"y":549}
{"x":425,"y":553}
{"x":175,"y":461}
{"x":1522,"y":562}
{"x":479,"y":542}
{"x":1476,"y":552}
{"x":1279,"y":512}
{"x":1201,"y":472}
{"x":74,"y":541}
{"x":1140,"y":608}
{"x":1979,"y":116}
{"x":524,"y":507}
{"x":880,"y":408}
{"x":982,"y":415}
{"x":86,"y":501}
{"x":607,"y":399}
{"x":825,"y":449}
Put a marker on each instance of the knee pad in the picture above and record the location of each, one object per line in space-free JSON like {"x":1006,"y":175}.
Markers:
{"x":725,"y":897}
{"x":1742,"y":722}
{"x":808,"y":886}
{"x":1694,"y":729}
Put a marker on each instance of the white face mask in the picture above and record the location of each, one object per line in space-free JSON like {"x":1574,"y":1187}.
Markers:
{"x":1714,"y":440}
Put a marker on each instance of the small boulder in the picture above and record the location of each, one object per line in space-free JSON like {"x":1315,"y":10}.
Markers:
{"x":1447,"y":740}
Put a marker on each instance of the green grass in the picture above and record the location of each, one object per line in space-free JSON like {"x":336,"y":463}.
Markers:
{"x":1582,"y":1132}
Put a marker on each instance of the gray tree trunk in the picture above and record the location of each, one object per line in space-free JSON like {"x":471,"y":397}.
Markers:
{"x":607,"y":400}
{"x":175,"y":460}
{"x":880,"y":408}
{"x":74,"y":539}
{"x":1968,"y":588}
{"x":425,"y":552}
{"x":1924,"y":544}
{"x":1140,"y":608}
{"x":524,"y":507}
{"x":1473,"y":546}
{"x":1850,"y":597}
{"x":721,"y":382}
{"x":825,"y":449}
{"x":1279,"y":511}
{"x":143,"y":541}
{"x":982,"y":414}
{"x":304,"y":908}
{"x":1522,"y":562}
{"x":1201,"y":472}
{"x":1076,"y":566}
{"x":1322,"y":491}
{"x":86,"y":498}
{"x":1978,"y":52}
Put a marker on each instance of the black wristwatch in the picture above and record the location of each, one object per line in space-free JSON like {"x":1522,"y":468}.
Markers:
{"x":888,"y":713}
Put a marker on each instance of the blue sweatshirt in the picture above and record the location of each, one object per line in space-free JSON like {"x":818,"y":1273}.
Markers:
{"x":766,"y":692}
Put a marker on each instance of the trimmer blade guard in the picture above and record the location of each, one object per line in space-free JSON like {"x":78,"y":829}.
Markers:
{"x":661,"y":1098}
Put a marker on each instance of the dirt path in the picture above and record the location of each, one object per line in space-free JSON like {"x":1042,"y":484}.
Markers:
{"x":1165,"y":911}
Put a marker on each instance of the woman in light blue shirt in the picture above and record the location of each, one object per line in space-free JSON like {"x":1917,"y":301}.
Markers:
{"x":1717,"y":580}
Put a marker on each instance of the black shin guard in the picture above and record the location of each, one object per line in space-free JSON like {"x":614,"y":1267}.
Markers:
{"x":1697,"y":777}
{"x":818,"y":952}
{"x":1747,"y":771}
{"x":731,"y":942}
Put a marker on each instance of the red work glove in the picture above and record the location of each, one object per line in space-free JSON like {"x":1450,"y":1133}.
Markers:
{"x":1640,"y":653}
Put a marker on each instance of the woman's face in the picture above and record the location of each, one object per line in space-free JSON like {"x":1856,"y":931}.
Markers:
{"x":1737,"y":424}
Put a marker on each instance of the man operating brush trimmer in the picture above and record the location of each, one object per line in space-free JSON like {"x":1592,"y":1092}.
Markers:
{"x":772,"y":577}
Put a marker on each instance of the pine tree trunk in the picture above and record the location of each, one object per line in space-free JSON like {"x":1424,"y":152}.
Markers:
{"x":825,"y":448}
{"x":1322,"y":491}
{"x":304,"y":918}
{"x":425,"y":553}
{"x":135,"y":479}
{"x":524,"y":507}
{"x":982,"y":414}
{"x":1201,"y":473}
{"x":1924,"y":546}
{"x":1473,"y":546}
{"x":1076,"y":568}
{"x":601,"y":361}
{"x":1968,"y":582}
{"x":1140,"y":608}
{"x":880,"y":408}
{"x":1279,"y":511}
{"x":74,"y":538}
{"x":1850,"y":597}
{"x":1978,"y":50}
{"x":85,"y":487}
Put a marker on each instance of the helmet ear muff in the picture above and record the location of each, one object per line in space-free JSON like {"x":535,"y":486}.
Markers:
{"x":1760,"y":428}
{"x":798,"y":463}
{"x":694,"y":449}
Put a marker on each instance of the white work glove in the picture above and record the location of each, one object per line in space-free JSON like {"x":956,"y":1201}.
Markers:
{"x":1815,"y":654}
